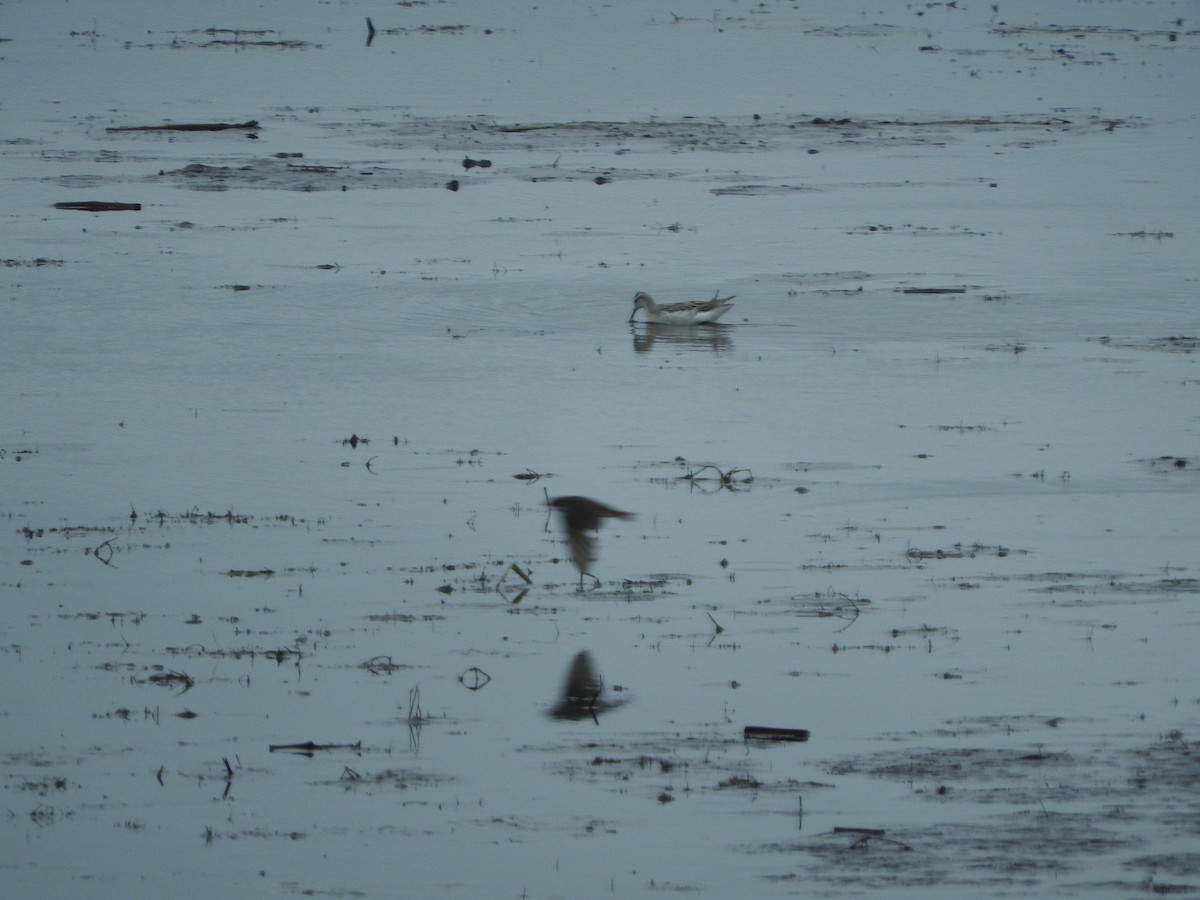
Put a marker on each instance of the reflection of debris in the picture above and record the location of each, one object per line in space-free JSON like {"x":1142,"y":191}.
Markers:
{"x":415,"y":716}
{"x":522,"y":591}
{"x":726,"y":478}
{"x":474,"y":679}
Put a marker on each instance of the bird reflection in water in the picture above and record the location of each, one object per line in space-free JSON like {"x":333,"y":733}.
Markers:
{"x":686,"y":337}
{"x":582,"y":695}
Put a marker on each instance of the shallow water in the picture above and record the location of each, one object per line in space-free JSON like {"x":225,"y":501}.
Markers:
{"x":950,"y":534}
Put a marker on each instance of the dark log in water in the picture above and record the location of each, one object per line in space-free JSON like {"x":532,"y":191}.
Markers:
{"x":765,"y":733}
{"x":96,"y":205}
{"x":194,"y":126}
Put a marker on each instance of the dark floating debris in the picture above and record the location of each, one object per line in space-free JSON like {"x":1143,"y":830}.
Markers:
{"x":380,"y":665}
{"x":934,"y":290}
{"x":723,"y":477}
{"x":452,"y":184}
{"x":1166,"y":463}
{"x":173,"y":679}
{"x":767,"y":733}
{"x":474,"y":679}
{"x":522,"y":591}
{"x":308,"y":748}
{"x":34,"y":263}
{"x":98,"y":206}
{"x":1175,"y":343}
{"x":252,"y":125}
{"x":469,"y":163}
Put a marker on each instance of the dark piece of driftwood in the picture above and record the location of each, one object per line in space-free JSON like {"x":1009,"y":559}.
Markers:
{"x":96,"y":205}
{"x":765,"y":733}
{"x":934,"y":291}
{"x":252,"y":125}
{"x":310,"y":747}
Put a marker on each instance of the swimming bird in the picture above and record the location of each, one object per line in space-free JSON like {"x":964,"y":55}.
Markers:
{"x":694,"y":312}
{"x":581,"y":515}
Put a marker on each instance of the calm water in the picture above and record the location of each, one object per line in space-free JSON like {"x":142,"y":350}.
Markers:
{"x":959,"y":547}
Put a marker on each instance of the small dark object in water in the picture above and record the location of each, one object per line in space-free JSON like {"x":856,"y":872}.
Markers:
{"x":766,"y":733}
{"x":469,"y":163}
{"x":252,"y":125}
{"x":97,"y":206}
{"x":452,"y":184}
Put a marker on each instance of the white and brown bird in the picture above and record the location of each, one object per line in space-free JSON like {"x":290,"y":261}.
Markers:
{"x":693,"y":312}
{"x":581,"y":517}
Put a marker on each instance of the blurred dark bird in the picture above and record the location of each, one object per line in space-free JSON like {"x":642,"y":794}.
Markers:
{"x":580,"y":516}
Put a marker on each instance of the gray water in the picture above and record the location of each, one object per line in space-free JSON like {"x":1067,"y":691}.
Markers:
{"x":950,"y":534}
